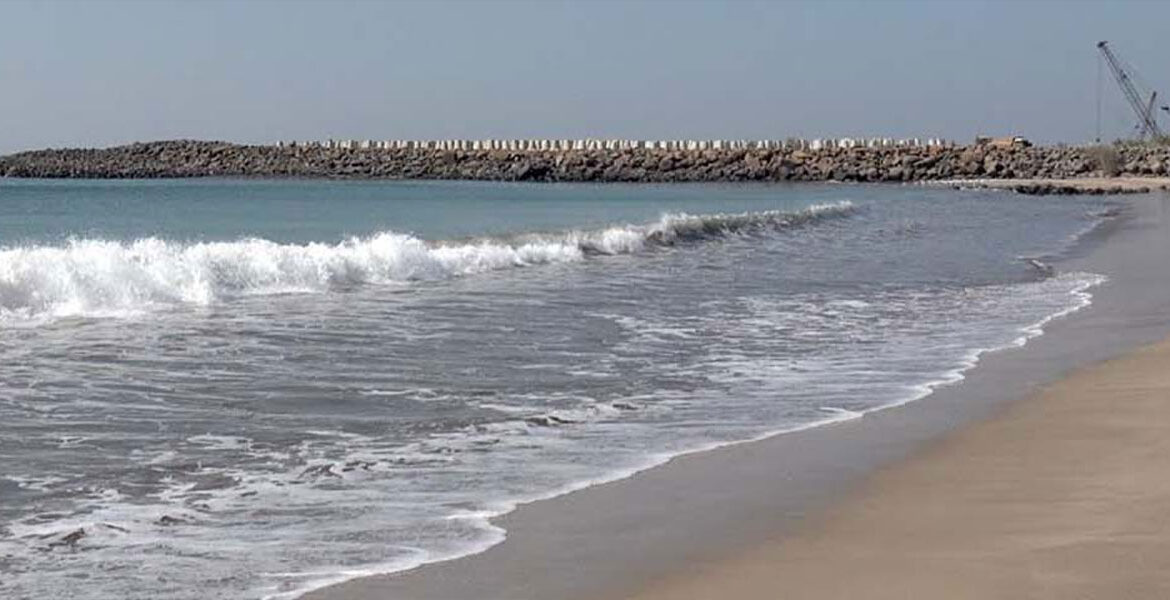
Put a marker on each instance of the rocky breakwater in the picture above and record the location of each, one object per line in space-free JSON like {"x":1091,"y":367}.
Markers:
{"x":901,"y":164}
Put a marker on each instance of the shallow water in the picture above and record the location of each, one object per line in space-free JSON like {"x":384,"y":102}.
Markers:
{"x":241,"y":389}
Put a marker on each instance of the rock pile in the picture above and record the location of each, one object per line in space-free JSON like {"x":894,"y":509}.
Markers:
{"x":204,"y":159}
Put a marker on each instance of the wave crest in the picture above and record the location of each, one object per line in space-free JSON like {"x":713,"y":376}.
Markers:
{"x":87,"y":277}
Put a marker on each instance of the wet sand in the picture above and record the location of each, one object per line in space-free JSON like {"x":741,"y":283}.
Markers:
{"x":714,"y":518}
{"x":1064,"y":495}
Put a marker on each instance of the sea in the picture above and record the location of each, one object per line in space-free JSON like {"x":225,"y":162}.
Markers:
{"x":252,"y":388}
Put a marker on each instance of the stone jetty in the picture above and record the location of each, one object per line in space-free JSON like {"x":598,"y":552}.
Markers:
{"x":851,"y":160}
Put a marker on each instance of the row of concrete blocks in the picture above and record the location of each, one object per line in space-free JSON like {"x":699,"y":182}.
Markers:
{"x":595,"y":144}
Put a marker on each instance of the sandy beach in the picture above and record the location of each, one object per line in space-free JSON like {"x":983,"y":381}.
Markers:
{"x":584,"y":300}
{"x":1063,"y":495}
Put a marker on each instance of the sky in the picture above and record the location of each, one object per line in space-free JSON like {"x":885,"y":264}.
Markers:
{"x":98,"y":73}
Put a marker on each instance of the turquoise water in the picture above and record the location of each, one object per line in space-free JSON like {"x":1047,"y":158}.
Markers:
{"x":257,"y":387}
{"x":305,"y":211}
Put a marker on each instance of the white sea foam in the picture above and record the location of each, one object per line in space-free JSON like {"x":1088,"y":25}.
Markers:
{"x":1054,"y":298}
{"x":117,"y":526}
{"x":95,"y":278}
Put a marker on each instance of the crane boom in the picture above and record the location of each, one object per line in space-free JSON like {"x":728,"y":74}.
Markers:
{"x":1150,"y":106}
{"x":1147,"y":119}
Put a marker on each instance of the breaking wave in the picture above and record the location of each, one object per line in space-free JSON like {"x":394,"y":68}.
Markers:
{"x":89,"y":277}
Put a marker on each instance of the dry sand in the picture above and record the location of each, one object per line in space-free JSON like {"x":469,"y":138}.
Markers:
{"x":1065,"y":495}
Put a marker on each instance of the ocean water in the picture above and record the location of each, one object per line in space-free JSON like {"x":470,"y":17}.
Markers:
{"x":246,"y":389}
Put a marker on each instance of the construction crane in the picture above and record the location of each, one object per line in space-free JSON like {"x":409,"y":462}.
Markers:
{"x":1147,"y":118}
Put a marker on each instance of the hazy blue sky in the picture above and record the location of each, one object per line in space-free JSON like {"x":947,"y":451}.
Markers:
{"x":99,"y":73}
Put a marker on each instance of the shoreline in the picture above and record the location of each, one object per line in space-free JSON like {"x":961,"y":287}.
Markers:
{"x":1060,"y":495}
{"x":1078,"y":185}
{"x":579,"y":545}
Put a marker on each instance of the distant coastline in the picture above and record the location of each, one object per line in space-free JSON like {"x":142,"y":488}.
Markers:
{"x":1032,"y":169}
